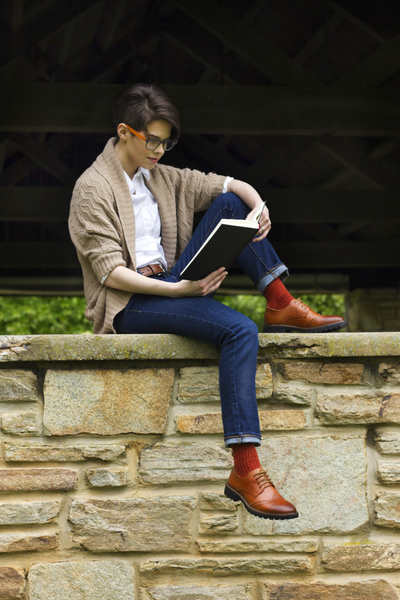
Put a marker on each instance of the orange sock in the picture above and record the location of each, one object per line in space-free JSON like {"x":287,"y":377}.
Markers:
{"x":245,"y":458}
{"x":276,"y":295}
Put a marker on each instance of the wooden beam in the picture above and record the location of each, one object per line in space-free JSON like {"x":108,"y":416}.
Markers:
{"x":41,"y":25}
{"x":247,"y":43}
{"x":352,"y":155}
{"x":357,"y":22}
{"x":41,"y":286}
{"x":45,"y":158}
{"x":330,"y":254}
{"x":34,"y":203}
{"x":319,"y":38}
{"x":96,"y":63}
{"x":110,"y":19}
{"x":208,"y":109}
{"x":37,"y":254}
{"x":259,"y":173}
{"x":332,"y":206}
{"x":379,"y":151}
{"x":25,"y":203}
{"x":339,"y":255}
{"x":375,"y":69}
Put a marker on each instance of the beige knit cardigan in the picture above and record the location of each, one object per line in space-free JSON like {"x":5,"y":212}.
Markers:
{"x":102,"y":224}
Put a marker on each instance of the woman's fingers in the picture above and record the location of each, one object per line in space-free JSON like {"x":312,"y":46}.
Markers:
{"x":203,"y":286}
{"x":211,"y":282}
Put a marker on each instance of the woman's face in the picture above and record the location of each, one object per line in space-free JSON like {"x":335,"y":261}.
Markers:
{"x":136,"y":150}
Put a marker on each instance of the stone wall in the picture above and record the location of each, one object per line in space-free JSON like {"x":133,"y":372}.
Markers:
{"x":374,"y":309}
{"x":113,"y":469}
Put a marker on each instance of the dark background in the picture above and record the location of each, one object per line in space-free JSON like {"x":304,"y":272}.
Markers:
{"x":300,"y":99}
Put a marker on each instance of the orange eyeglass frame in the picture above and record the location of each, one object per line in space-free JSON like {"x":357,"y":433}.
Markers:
{"x":171,"y":143}
{"x":136,"y":133}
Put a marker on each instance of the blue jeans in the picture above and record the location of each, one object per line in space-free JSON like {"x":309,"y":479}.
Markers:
{"x":205,"y":319}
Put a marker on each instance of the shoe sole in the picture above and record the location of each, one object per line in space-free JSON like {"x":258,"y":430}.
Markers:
{"x":230,"y":493}
{"x":289,"y":328}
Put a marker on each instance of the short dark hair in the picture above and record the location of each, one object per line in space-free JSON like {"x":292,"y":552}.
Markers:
{"x":142,"y":103}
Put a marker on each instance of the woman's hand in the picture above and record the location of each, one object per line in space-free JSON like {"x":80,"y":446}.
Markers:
{"x":205,"y":286}
{"x":253,"y":200}
{"x":264,"y":222}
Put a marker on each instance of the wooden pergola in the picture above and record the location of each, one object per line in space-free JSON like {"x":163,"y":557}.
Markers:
{"x":300,"y":99}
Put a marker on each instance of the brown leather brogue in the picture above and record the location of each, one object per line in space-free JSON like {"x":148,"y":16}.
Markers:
{"x":259,"y":496}
{"x":300,"y":317}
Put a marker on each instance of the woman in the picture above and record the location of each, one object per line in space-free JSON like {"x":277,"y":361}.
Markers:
{"x":131,"y":222}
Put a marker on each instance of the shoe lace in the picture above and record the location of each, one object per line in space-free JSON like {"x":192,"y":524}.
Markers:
{"x":300,"y":302}
{"x":263,"y":480}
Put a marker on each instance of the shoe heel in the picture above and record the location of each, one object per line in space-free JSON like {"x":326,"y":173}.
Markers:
{"x":231,"y":494}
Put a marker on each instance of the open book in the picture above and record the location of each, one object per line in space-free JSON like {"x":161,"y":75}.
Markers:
{"x":222,"y":246}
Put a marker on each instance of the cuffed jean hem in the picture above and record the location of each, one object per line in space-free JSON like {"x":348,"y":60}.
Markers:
{"x":246,"y":439}
{"x":280,"y":271}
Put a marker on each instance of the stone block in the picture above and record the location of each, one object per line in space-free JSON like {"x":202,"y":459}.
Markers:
{"x":106,"y":477}
{"x":22,"y":513}
{"x":387,"y":510}
{"x":257,"y":546}
{"x":387,"y":442}
{"x":293,"y":394}
{"x":217,"y":524}
{"x":23,"y":423}
{"x":197,"y":592}
{"x":84,"y":580}
{"x":325,"y":478}
{"x":22,"y":542}
{"x":171,"y":463}
{"x":133,"y":524}
{"x":264,"y":387}
{"x":390,"y":372}
{"x":388,"y":472}
{"x":198,"y":384}
{"x":201,"y":384}
{"x":12,"y":583}
{"x":277,"y":420}
{"x":362,"y":557}
{"x":34,"y":452}
{"x":24,"y":480}
{"x":355,"y":409}
{"x":333,"y":373}
{"x":107,"y":402}
{"x":213,"y":501}
{"x":269,"y":421}
{"x":226,"y":566}
{"x":17,"y":385}
{"x":356,"y":590}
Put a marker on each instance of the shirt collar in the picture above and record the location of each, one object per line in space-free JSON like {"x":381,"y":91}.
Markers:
{"x":130,"y":182}
{"x":140,"y":171}
{"x":144,"y":172}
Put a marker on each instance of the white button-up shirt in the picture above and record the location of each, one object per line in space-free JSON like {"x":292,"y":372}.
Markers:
{"x":147,"y":221}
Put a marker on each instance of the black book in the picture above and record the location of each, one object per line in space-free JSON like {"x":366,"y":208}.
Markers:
{"x":221,"y":248}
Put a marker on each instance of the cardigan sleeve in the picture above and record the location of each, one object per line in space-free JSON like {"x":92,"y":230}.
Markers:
{"x":199,"y":189}
{"x":95,"y":229}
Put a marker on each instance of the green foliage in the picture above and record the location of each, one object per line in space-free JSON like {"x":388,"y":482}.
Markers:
{"x":254,"y":306}
{"x":21,"y":315}
{"x":326,"y":304}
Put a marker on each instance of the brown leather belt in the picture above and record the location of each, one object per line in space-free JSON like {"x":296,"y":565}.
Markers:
{"x":151,"y":270}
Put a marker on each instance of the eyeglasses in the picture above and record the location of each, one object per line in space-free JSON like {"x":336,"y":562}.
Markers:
{"x":153,"y":143}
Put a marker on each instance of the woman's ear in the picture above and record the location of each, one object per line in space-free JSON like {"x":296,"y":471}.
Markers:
{"x":122,"y":131}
